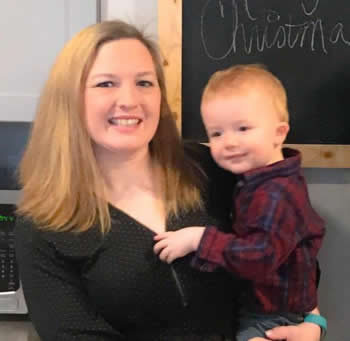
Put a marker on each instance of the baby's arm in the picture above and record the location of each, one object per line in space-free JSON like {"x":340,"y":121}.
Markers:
{"x":172,"y":245}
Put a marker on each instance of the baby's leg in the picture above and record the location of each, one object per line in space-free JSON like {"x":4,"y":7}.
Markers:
{"x":255,"y":325}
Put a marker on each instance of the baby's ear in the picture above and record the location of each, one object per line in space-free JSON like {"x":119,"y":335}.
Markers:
{"x":281,"y":132}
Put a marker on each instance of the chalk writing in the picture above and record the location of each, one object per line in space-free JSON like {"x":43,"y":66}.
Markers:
{"x":263,"y":33}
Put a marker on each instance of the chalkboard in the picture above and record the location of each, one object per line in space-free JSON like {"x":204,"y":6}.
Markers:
{"x":305,"y":43}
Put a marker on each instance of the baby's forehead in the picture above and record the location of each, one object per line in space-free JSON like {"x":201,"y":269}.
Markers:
{"x":245,"y":90}
{"x":253,"y":102}
{"x":245,"y":84}
{"x":252,"y":83}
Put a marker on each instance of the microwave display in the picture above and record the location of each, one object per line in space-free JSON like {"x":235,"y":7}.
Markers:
{"x":9,"y":279}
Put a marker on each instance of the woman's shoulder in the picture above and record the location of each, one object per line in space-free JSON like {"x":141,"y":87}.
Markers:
{"x":68,"y":244}
{"x":218,"y":191}
{"x":200,"y":153}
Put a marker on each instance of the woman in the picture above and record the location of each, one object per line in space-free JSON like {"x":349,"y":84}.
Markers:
{"x":104,"y":171}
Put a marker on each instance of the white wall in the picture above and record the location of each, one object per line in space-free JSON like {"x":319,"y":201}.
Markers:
{"x":329,"y":192}
{"x":142,"y":13}
{"x":32,"y":34}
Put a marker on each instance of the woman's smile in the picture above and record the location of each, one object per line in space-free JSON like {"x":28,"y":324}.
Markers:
{"x":122,"y":97}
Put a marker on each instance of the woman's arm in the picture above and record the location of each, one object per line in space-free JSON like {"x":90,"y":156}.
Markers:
{"x":58,"y":304}
{"x":303,"y":332}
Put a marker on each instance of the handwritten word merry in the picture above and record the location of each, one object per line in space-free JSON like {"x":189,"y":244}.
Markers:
{"x":272,"y":31}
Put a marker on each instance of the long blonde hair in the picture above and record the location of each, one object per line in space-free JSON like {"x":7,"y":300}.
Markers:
{"x":62,"y":185}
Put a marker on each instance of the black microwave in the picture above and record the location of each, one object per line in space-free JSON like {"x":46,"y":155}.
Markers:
{"x":11,"y":295}
{"x":13,"y":138}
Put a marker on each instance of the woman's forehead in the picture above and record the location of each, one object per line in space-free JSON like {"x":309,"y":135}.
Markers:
{"x":123,"y":55}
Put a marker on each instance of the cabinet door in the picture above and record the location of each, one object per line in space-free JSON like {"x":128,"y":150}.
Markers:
{"x":32,"y":34}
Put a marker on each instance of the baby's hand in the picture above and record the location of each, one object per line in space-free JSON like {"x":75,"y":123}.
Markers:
{"x":173,"y":245}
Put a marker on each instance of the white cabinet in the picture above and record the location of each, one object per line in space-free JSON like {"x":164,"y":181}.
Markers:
{"x":32,"y":32}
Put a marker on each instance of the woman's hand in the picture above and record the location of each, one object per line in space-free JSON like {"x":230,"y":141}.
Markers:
{"x":302,"y":332}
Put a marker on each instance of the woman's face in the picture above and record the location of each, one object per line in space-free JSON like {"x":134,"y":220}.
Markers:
{"x":122,"y":98}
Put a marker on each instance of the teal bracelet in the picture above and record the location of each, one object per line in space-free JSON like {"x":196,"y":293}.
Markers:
{"x":319,"y":320}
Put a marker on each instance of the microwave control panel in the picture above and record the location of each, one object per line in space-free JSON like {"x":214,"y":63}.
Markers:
{"x":9,"y":279}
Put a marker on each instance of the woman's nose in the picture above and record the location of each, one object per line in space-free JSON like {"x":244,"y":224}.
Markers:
{"x":127,"y":97}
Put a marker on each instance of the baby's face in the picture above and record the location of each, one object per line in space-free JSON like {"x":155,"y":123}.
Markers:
{"x":244,"y":129}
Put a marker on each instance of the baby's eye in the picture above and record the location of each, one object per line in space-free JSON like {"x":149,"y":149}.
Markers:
{"x":243,"y":128}
{"x":145,"y":83}
{"x":106,"y":84}
{"x":214,"y":134}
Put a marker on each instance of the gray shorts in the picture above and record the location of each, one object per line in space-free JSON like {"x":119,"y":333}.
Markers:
{"x":255,"y":325}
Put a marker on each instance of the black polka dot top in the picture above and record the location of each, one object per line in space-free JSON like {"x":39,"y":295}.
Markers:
{"x":91,"y":288}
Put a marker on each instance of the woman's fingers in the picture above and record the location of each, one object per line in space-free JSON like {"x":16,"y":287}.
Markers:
{"x":282,"y":333}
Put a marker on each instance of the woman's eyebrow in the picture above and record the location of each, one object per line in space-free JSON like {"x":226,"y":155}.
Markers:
{"x":145,"y":73}
{"x":98,"y":75}
{"x":111,"y":75}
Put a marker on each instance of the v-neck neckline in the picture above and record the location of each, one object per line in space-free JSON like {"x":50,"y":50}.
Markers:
{"x":137,"y":222}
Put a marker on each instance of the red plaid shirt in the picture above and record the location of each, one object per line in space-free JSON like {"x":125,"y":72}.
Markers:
{"x":275,"y":239}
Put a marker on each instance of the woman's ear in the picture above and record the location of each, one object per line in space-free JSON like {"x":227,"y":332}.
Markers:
{"x":282,"y":130}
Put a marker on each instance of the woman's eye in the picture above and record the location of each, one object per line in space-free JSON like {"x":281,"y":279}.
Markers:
{"x":145,"y":83}
{"x":107,"y":84}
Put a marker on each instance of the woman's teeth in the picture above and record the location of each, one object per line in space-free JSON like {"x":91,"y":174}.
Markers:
{"x":123,"y":121}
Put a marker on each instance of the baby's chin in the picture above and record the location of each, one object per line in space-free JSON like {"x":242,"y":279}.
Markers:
{"x":239,"y":169}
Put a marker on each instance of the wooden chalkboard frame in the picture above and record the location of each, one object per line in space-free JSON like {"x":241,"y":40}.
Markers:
{"x":170,"y":40}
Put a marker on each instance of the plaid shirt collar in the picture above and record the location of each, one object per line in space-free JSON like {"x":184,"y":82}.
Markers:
{"x":286,"y":167}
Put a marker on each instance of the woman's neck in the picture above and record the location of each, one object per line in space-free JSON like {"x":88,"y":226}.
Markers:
{"x":124,"y":172}
{"x":133,"y":185}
